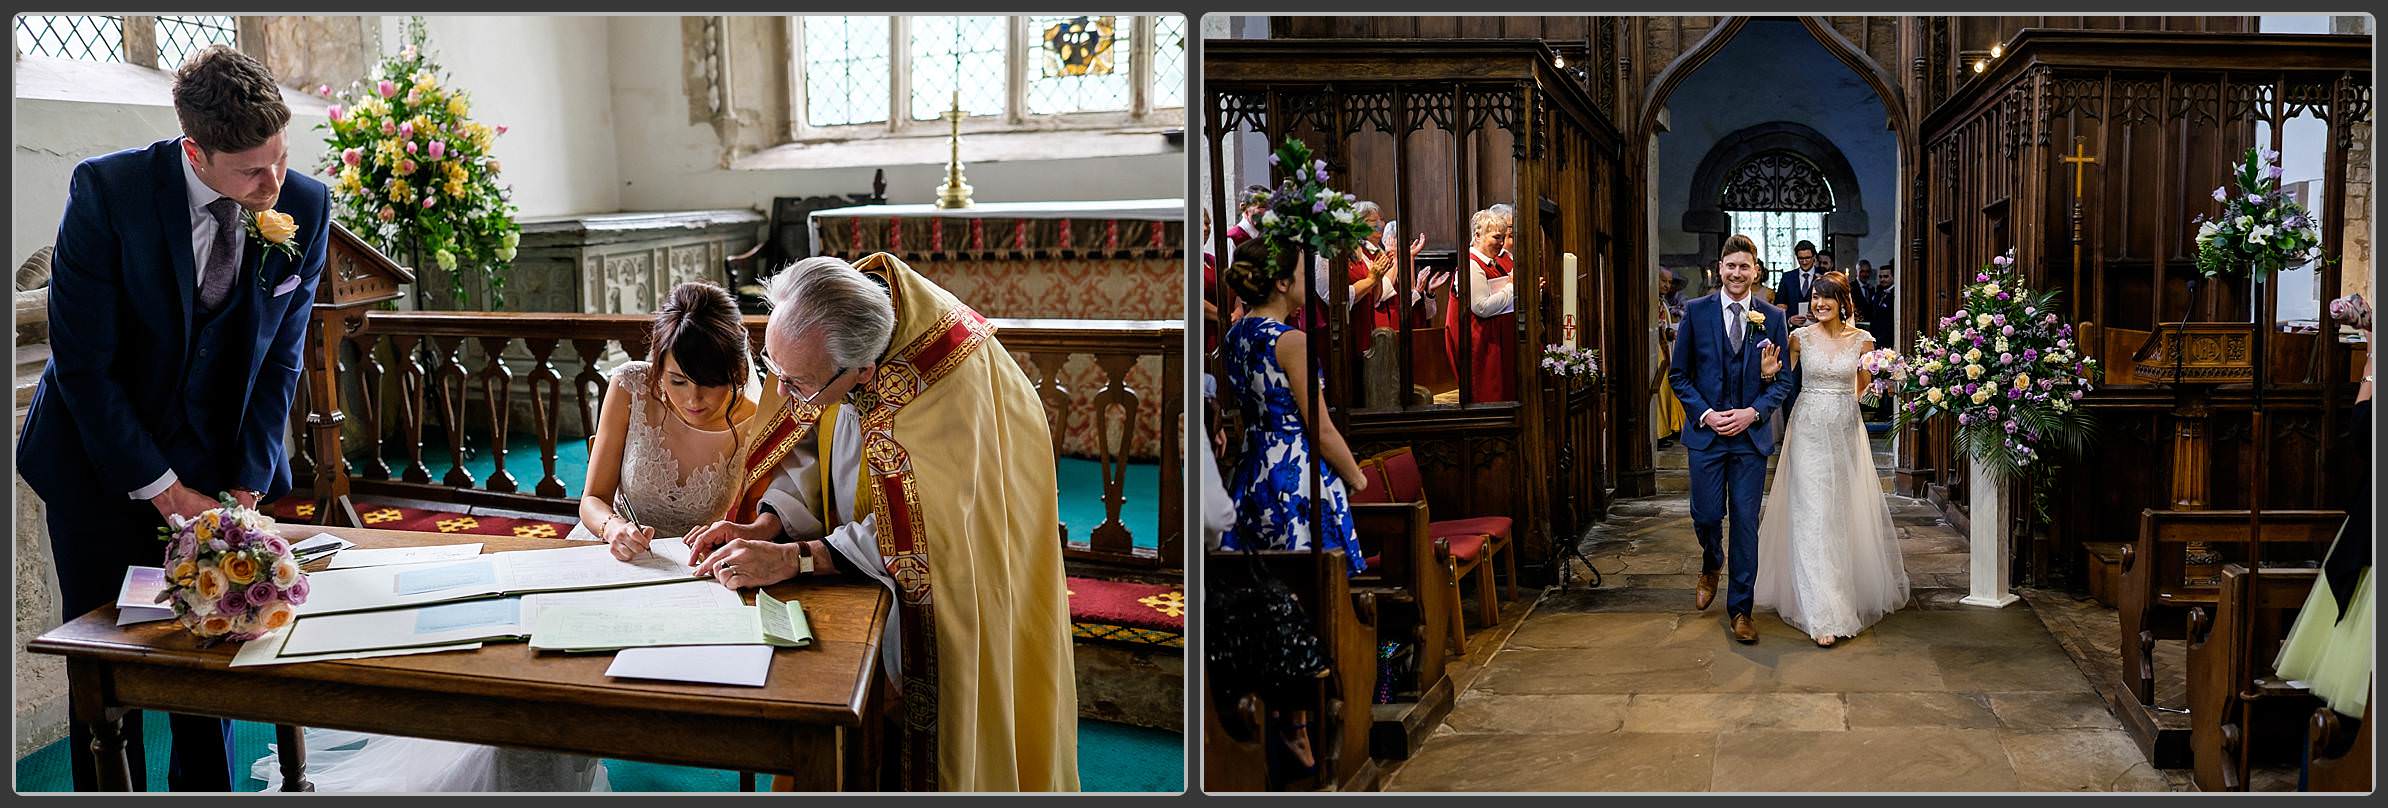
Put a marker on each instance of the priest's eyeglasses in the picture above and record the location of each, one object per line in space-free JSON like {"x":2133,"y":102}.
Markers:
{"x":789,"y":388}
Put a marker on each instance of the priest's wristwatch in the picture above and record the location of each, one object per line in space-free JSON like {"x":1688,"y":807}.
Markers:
{"x":804,"y":558}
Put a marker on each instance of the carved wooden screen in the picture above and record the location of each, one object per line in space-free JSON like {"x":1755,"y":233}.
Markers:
{"x":2158,"y":119}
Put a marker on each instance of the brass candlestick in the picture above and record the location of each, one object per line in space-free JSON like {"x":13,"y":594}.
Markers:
{"x":954,"y":193}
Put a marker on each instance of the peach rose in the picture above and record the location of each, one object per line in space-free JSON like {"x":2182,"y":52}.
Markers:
{"x":276,"y":227}
{"x":274,"y":617}
{"x":215,"y":625}
{"x":211,"y":583}
{"x":286,"y":572}
{"x":182,"y":572}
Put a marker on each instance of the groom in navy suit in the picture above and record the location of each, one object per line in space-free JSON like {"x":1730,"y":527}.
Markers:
{"x":179,"y":296}
{"x":1721,"y":350}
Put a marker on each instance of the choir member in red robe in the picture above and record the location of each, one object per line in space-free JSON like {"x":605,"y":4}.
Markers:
{"x":1488,"y":315}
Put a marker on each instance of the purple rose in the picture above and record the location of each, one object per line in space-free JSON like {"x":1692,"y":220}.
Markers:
{"x":1993,"y":410}
{"x":218,"y":545}
{"x":234,"y":601}
{"x":2011,"y":427}
{"x":2006,"y":331}
{"x":261,"y":593}
{"x":277,"y":546}
{"x":2006,"y":359}
{"x":1964,"y":419}
{"x":2002,"y":296}
{"x":2031,"y":355}
{"x":1982,"y":278}
{"x":2076,"y":395}
{"x":298,"y":592}
{"x":1970,"y":387}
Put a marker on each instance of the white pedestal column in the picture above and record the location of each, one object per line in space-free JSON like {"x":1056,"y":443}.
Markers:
{"x":1988,"y":515}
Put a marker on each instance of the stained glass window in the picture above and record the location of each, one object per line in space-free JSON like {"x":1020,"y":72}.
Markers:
{"x":89,"y":37}
{"x":1169,"y":61}
{"x":1777,"y":232}
{"x":179,"y":37}
{"x":957,"y":54}
{"x":845,"y":70}
{"x":1082,"y":64}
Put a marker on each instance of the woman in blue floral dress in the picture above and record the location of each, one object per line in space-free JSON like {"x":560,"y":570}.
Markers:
{"x":1271,"y":485}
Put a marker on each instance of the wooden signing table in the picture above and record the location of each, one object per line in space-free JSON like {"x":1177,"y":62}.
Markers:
{"x":808,"y":722}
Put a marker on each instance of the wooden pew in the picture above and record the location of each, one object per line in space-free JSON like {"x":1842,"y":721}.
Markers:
{"x":2339,"y":751}
{"x":2240,"y":715}
{"x":1234,"y":737}
{"x":2155,"y":594}
{"x":1345,"y":622}
{"x":1411,"y":577}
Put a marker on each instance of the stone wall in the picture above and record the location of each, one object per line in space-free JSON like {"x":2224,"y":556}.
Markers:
{"x":2354,"y":272}
{"x":40,"y":679}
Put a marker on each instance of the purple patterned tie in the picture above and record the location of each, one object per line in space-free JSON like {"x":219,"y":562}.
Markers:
{"x":223,"y":258}
{"x":1735,"y":328}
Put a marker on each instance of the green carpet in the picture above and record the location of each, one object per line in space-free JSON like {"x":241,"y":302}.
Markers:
{"x":1111,"y":757}
{"x":1080,"y":481}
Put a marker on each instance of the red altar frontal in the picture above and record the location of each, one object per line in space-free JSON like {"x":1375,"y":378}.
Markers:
{"x":1114,"y":260}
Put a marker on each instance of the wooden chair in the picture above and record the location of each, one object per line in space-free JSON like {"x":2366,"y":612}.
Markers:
{"x":1345,"y":622}
{"x":788,"y":238}
{"x":1473,"y":542}
{"x":2339,"y":751}
{"x":1234,"y":750}
{"x":2240,"y":714}
{"x":1408,"y":567}
{"x":2156,"y":594}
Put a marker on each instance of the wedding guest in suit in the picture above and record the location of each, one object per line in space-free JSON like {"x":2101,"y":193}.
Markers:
{"x":1791,"y":292}
{"x":183,"y":277}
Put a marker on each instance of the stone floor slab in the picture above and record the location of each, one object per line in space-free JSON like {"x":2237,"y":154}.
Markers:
{"x":1594,"y":630}
{"x":1619,"y":761}
{"x":1480,"y":711}
{"x":2039,"y":712}
{"x":1956,"y":710}
{"x":1869,"y":759}
{"x":1722,"y":712}
{"x":2079,"y":760}
{"x":1597,"y":670}
{"x":1849,"y":670}
{"x":1991,"y":669}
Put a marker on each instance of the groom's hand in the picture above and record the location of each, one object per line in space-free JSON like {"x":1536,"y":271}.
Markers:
{"x":1737,"y":422}
{"x":181,"y":501}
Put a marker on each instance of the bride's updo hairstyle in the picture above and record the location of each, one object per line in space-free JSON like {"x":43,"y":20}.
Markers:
{"x":700,"y":327}
{"x":1835,"y":285}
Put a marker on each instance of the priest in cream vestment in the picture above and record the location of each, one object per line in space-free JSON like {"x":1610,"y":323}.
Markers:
{"x":902,"y":441}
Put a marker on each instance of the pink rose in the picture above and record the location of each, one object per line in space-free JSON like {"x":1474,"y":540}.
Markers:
{"x":406,"y":167}
{"x":388,"y":88}
{"x":439,"y":148}
{"x":352,"y":155}
{"x":388,"y":128}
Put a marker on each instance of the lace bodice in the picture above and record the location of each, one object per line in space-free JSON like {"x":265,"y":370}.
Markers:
{"x":1828,"y":365}
{"x":674,"y":477}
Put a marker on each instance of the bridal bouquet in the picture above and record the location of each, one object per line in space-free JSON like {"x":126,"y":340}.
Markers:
{"x":408,"y":165}
{"x":230,"y":576}
{"x":1304,"y":212}
{"x":1885,"y":368}
{"x":2006,"y":368}
{"x":1565,"y":362}
{"x":2260,"y":229}
{"x":2353,"y":311}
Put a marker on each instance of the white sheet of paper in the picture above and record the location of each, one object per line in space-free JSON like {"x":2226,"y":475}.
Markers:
{"x":587,"y":567}
{"x":267,"y":650}
{"x":742,"y":665}
{"x":484,"y":620}
{"x":392,"y":556}
{"x":137,"y":598}
{"x":695,"y":593}
{"x":611,"y":628}
{"x":367,"y":588}
{"x":513,"y":573}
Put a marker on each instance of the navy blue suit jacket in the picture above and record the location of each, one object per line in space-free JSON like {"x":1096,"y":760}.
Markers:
{"x":123,"y":338}
{"x":1791,"y":291}
{"x":1704,"y":359}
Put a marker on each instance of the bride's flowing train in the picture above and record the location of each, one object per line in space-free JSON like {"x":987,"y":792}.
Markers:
{"x":1828,"y":555}
{"x":342,"y":761}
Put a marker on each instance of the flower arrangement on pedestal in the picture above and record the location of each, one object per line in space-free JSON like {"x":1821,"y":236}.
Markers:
{"x":230,"y":576}
{"x":2006,"y":368}
{"x":2261,"y":229}
{"x":1303,"y":212}
{"x":1571,"y":363}
{"x":408,"y":167}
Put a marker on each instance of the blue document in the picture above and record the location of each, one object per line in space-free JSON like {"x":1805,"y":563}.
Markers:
{"x":468,"y":614}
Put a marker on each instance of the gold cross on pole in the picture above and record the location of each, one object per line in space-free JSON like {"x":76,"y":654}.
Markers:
{"x":2080,"y":159}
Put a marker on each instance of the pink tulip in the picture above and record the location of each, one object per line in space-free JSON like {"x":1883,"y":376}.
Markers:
{"x":388,"y":128}
{"x":324,"y":90}
{"x":439,"y":148}
{"x":410,"y":145}
{"x":335,"y":112}
{"x":388,"y":88}
{"x":427,"y":200}
{"x":407,"y":130}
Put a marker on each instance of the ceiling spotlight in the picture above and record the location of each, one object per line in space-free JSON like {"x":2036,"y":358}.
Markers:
{"x":1980,"y":65}
{"x":1996,"y":50}
{"x":1560,"y":61}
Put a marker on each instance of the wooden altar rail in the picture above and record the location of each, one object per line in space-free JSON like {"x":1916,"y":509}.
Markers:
{"x":426,"y":370}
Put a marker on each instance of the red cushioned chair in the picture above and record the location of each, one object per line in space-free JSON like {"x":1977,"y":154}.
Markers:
{"x":1472,"y":541}
{"x":1406,"y":565}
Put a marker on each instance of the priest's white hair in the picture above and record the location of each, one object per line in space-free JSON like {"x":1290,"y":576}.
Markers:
{"x":828,"y":300}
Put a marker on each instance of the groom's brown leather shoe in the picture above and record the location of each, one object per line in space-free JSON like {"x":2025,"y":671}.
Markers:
{"x":1744,"y":630}
{"x":1704,"y":590}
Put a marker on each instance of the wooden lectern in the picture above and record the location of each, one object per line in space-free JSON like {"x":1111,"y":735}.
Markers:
{"x":356,"y":277}
{"x":2194,"y":358}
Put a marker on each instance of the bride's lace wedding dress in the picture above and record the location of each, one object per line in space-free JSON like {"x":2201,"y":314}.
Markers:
{"x":1828,"y":556}
{"x":674,"y":478}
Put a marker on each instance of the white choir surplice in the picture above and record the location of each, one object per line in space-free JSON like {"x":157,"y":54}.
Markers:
{"x":794,"y":495}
